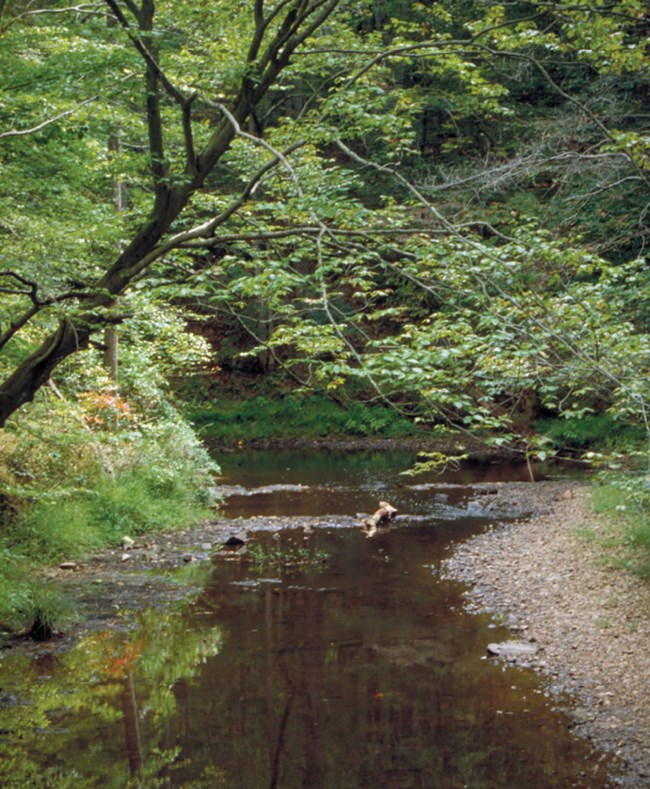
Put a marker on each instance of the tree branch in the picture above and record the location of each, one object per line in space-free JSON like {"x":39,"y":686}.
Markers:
{"x":145,"y":19}
{"x":48,"y":122}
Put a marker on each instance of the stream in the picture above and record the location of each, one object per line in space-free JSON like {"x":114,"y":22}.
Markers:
{"x":316,"y":657}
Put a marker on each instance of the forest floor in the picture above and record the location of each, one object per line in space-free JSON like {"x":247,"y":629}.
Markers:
{"x":547,"y":578}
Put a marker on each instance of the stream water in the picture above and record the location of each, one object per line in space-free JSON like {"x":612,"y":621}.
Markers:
{"x":323,"y":659}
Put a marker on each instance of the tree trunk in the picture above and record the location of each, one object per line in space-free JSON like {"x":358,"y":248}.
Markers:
{"x":111,"y":341}
{"x":73,"y":333}
{"x":111,"y":356}
{"x":35,"y":371}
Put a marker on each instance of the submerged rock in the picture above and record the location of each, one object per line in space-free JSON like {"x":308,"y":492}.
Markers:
{"x":234,"y":541}
{"x":512,"y":650}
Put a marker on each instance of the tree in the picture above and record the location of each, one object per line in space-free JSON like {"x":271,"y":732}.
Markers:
{"x":269,"y":39}
{"x":285,"y":147}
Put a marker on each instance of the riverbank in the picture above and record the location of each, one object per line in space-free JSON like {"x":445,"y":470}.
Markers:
{"x":589,"y":622}
{"x":590,"y":625}
{"x":476,"y":449}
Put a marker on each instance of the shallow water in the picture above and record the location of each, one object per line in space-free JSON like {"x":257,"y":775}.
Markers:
{"x":325,"y":659}
{"x":288,"y":482}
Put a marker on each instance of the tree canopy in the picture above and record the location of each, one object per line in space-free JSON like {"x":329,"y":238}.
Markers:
{"x":443,"y":204}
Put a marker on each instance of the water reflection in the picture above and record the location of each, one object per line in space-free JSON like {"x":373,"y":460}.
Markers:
{"x":96,"y":715}
{"x":287,"y":482}
{"x":360,"y":671}
{"x":366,"y":673}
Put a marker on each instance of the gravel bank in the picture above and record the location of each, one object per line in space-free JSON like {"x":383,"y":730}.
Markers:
{"x":591,"y":624}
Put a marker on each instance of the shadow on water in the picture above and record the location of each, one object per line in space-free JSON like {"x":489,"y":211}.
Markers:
{"x":323,"y":660}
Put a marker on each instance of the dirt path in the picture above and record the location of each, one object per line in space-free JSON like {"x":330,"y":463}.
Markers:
{"x":591,"y":624}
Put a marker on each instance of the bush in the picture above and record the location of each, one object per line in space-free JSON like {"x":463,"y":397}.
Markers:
{"x":594,"y":431}
{"x":297,"y":417}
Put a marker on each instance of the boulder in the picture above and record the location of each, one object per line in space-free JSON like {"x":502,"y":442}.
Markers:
{"x":234,"y":541}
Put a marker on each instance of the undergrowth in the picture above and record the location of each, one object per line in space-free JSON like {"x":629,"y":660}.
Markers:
{"x":624,"y":501}
{"x":592,"y":431}
{"x":293,"y":417}
{"x":79,"y":476}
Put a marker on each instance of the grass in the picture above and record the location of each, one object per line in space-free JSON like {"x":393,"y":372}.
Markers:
{"x":69,"y":527}
{"x":594,"y":431}
{"x":294,"y":417}
{"x":624,"y":503}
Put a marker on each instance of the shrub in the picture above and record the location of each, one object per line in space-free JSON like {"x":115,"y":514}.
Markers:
{"x":599,"y":431}
{"x":297,"y":417}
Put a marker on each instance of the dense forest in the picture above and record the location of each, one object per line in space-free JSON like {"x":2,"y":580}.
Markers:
{"x":401,"y":217}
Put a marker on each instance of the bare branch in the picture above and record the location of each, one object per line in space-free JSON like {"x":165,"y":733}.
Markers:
{"x":83,"y":8}
{"x":307,"y":231}
{"x":48,"y":122}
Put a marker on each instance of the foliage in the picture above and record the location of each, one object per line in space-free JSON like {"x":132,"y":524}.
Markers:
{"x":296,"y":417}
{"x":434,"y":461}
{"x":312,"y":246}
{"x":625,"y":501}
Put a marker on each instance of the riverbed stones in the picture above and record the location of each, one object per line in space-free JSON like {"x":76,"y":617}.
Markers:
{"x":512,"y":650}
{"x":591,"y":621}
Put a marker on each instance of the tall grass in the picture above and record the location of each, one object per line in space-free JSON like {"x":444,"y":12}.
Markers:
{"x":71,"y":484}
{"x":70,"y":526}
{"x":624,"y":501}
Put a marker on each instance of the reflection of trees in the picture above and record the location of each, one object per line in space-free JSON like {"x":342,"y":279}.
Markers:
{"x":353,"y":685}
{"x":119,"y":689}
{"x":131,"y":727}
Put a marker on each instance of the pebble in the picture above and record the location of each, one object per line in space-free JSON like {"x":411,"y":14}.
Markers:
{"x":591,"y":622}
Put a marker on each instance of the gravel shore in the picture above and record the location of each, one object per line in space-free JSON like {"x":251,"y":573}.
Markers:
{"x":590,"y":623}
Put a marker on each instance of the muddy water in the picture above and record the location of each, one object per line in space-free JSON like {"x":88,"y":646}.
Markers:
{"x":322,"y":659}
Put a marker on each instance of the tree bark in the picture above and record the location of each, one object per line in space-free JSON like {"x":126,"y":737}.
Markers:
{"x":111,"y":353}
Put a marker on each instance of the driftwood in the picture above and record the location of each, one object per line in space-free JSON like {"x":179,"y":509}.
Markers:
{"x":384,"y":515}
